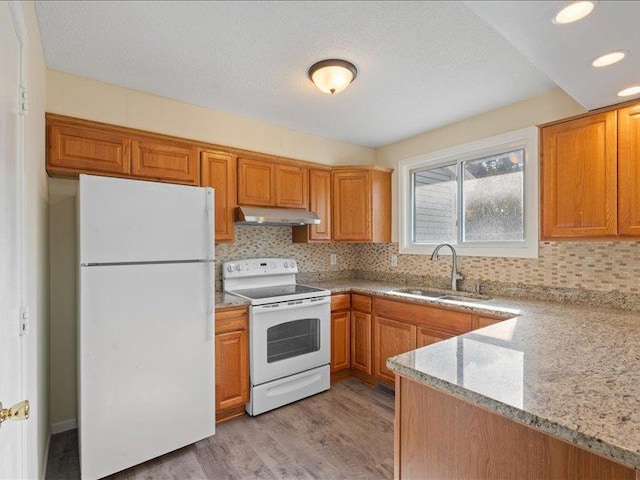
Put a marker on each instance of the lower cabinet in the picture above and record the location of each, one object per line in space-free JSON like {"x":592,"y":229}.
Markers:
{"x":426,"y":336}
{"x":361,"y":334}
{"x":392,"y":338}
{"x":232,"y":363}
{"x":340,"y":332}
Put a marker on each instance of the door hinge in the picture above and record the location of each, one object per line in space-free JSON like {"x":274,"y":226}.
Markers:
{"x":23,"y":100}
{"x":24,"y":321}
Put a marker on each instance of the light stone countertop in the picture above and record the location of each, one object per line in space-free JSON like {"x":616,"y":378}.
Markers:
{"x":226,"y":301}
{"x":571,"y":371}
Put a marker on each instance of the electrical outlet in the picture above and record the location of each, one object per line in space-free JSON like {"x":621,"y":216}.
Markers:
{"x":394,"y":260}
{"x":334,"y":259}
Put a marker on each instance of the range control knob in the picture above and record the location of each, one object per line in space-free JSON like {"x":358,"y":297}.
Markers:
{"x":292,"y":264}
{"x":239,"y":268}
{"x":286,"y":264}
{"x":229,"y":268}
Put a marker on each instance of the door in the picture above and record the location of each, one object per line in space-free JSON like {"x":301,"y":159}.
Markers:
{"x":361,"y":342}
{"x":218,"y":170}
{"x":351,"y":206}
{"x":340,"y":341}
{"x":124,"y":221}
{"x":289,"y":337}
{"x":292,"y":186}
{"x":164,"y":160}
{"x":256,"y":182}
{"x":629,"y":171}
{"x":145,"y":363}
{"x":12,"y":367}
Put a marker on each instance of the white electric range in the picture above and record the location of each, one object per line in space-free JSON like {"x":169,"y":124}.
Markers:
{"x":289,"y":331}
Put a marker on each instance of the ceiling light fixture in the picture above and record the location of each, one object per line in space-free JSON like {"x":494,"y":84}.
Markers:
{"x":573,"y":12}
{"x":627,"y":92}
{"x":609,"y":58}
{"x":332,"y":76}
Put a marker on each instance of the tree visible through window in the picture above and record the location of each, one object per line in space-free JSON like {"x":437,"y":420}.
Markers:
{"x":491,"y":192}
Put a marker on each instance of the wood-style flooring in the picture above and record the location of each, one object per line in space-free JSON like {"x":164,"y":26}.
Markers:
{"x":346,"y":432}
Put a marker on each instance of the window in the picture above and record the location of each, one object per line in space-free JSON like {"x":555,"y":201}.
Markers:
{"x":481,"y":197}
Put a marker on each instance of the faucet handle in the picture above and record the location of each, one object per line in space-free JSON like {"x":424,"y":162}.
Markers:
{"x":459,"y":276}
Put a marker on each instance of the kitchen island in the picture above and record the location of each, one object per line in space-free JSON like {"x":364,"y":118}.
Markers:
{"x":552,"y":393}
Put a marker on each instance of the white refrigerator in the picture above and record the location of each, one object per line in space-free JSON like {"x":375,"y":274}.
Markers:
{"x":146,"y":321}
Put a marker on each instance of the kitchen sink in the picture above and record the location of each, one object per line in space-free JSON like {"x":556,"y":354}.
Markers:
{"x":442,"y":295}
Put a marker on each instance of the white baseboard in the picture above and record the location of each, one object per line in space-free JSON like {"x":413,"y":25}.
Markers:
{"x":64,"y":426}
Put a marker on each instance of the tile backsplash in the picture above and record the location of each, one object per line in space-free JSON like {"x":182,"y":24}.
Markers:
{"x":599,"y":267}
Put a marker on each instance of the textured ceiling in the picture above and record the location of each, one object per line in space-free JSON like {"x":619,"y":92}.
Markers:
{"x":565,"y":52}
{"x":421,"y":64}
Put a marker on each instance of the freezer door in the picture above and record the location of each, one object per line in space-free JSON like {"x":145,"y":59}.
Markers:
{"x":124,"y":221}
{"x":146,"y":363}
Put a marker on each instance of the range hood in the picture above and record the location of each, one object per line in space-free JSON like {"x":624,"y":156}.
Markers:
{"x":275,"y":216}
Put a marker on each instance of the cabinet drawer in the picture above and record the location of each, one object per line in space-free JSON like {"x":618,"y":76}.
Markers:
{"x":341,"y":301}
{"x":231,"y":320}
{"x":361,"y":303}
{"x":440,"y":318}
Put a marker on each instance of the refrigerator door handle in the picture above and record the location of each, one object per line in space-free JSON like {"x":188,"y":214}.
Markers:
{"x":210,"y":317}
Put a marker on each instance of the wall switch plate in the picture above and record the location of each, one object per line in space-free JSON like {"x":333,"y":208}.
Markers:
{"x":334,"y":259}
{"x":394,"y":260}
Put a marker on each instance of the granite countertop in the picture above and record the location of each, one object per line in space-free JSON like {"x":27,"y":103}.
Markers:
{"x":572,"y":371}
{"x":226,"y":301}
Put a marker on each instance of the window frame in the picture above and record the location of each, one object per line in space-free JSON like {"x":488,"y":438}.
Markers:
{"x":525,"y":138}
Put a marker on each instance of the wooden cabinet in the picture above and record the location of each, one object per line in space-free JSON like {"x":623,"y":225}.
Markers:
{"x":392,"y":338}
{"x":340,"y":332}
{"x":218,"y":170}
{"x":426,"y":336}
{"x":579,"y":177}
{"x":361,"y":334}
{"x":270,"y":184}
{"x":232,"y":363}
{"x":481,"y":321}
{"x":165,"y":160}
{"x":629,"y":171}
{"x":361,"y":204}
{"x":320,"y":203}
{"x":77,"y":148}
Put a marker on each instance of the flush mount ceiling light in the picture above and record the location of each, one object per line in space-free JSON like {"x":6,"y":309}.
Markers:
{"x":627,"y":92}
{"x":609,"y":58}
{"x":332,"y":76}
{"x":573,"y":12}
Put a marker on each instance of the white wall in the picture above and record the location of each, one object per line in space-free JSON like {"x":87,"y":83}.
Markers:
{"x":37,"y":241}
{"x":550,"y":106}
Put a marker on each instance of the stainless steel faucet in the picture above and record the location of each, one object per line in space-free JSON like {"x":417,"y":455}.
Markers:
{"x":455,"y":275}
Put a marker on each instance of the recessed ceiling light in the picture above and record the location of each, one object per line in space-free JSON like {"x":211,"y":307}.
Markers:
{"x":573,"y":12}
{"x":627,"y":92}
{"x":609,"y":58}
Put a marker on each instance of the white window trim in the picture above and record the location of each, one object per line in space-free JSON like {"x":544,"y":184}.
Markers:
{"x":526,"y":138}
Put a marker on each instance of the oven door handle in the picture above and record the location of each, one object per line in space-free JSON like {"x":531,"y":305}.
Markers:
{"x":293,"y":304}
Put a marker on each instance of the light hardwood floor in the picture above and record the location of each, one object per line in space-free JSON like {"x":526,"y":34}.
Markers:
{"x":346,"y":432}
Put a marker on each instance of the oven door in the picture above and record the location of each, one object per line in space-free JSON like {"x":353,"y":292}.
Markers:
{"x":289,"y":337}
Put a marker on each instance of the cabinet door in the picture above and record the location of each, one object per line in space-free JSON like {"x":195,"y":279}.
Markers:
{"x":629,"y":171}
{"x":361,"y":358}
{"x":320,"y":202}
{"x":218,"y":170}
{"x":391,"y":338}
{"x":482,"y":321}
{"x":75,"y":149}
{"x":256,"y":180}
{"x":351,"y":206}
{"x":166,"y":161}
{"x":292,"y":186}
{"x":340,"y":341}
{"x":579,"y":178}
{"x":426,"y":336}
{"x":232,"y":373}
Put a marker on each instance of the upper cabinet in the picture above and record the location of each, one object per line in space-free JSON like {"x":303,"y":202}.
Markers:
{"x":165,"y":160}
{"x":320,"y":203}
{"x":72,"y":148}
{"x":629,"y":171}
{"x":218,"y":170}
{"x":361,"y":204}
{"x":79,"y":146}
{"x":272,"y":184}
{"x":590,"y":176}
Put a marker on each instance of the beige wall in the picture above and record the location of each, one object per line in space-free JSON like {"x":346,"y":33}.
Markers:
{"x":37,"y":245}
{"x":550,"y":106}
{"x":84,"y":98}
